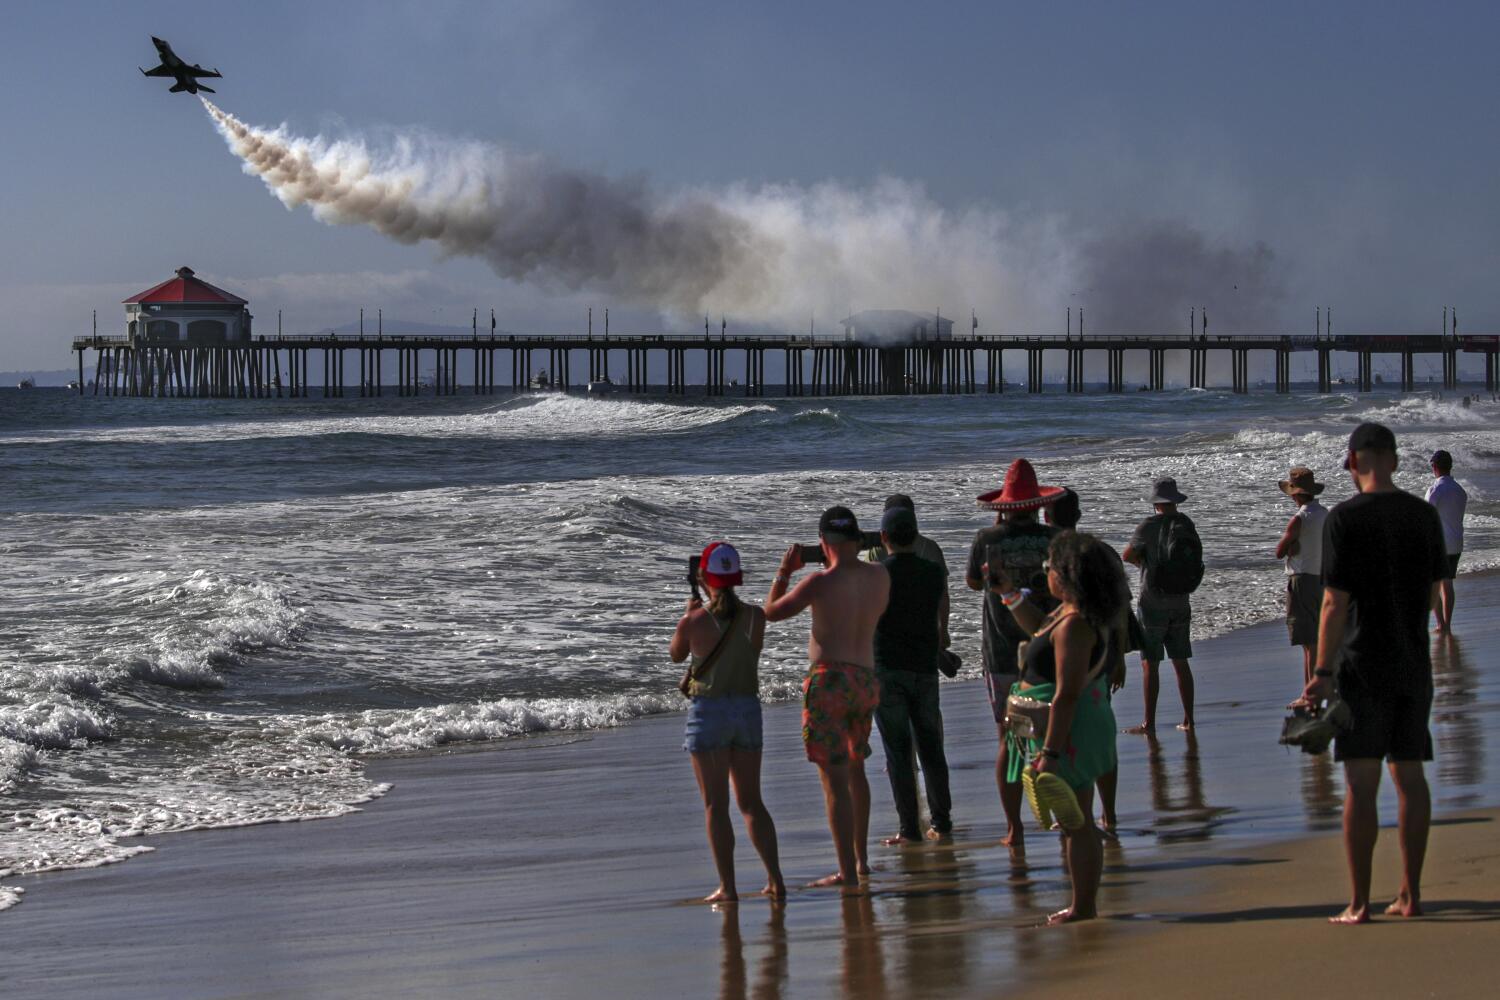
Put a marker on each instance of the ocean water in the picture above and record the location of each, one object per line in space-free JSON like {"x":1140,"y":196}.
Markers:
{"x":213,"y":611}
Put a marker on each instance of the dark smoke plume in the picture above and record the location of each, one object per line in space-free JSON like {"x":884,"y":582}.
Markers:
{"x":1145,"y":280}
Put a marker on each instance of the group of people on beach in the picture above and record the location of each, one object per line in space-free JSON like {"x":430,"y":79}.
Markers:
{"x":1057,"y":623}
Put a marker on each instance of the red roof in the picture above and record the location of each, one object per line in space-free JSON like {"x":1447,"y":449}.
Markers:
{"x":186,"y":288}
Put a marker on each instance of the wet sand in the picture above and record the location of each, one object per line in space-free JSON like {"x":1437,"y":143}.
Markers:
{"x":570,"y":868}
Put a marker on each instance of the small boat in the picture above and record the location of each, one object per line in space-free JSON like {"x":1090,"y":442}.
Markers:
{"x":73,"y":385}
{"x":540,"y":380}
{"x":26,"y":383}
{"x":602,"y":386}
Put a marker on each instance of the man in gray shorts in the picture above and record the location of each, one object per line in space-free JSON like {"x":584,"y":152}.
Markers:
{"x":1163,"y":546}
{"x":1301,"y":545}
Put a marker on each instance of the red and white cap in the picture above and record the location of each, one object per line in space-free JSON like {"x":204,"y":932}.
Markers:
{"x":721,"y":565}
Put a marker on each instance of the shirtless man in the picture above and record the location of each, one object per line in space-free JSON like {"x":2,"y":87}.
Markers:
{"x":840,"y":693}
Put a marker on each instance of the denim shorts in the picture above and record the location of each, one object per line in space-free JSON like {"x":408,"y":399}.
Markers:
{"x":731,"y":722}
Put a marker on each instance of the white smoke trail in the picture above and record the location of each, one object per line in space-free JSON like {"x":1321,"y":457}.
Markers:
{"x":770,"y":255}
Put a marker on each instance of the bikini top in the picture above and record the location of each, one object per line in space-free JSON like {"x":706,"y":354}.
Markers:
{"x":1040,"y":657}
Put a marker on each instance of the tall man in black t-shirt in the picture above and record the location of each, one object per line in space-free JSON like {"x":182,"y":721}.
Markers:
{"x":907,"y":640}
{"x":1383,"y":558}
{"x":1021,"y":542}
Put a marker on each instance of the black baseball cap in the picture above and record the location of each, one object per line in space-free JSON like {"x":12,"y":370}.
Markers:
{"x":1371,"y":437}
{"x":838,"y":524}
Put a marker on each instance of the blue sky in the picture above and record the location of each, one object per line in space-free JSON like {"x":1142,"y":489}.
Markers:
{"x":1353,"y":141}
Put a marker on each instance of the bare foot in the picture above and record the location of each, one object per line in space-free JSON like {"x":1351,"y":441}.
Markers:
{"x":1439,"y":627}
{"x":862,"y":869}
{"x":1108,"y":830}
{"x":1186,"y":725}
{"x":722,"y":895}
{"x":1352,"y":916}
{"x":899,"y":840}
{"x":775,"y":889}
{"x":1069,"y":916}
{"x":1141,"y":730}
{"x":828,"y":881}
{"x":1404,"y":906}
{"x":934,"y":834}
{"x":1015,"y":839}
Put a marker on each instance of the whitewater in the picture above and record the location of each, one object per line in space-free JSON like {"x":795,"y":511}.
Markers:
{"x":215,"y":611}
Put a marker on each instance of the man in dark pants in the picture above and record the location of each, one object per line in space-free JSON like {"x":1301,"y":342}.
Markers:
{"x":906,"y":651}
{"x":1383,"y":559}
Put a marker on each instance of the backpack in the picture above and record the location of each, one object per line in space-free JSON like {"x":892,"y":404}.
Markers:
{"x":1176,"y":564}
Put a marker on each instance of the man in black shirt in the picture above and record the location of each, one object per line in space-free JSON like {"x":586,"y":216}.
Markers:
{"x":1383,"y":558}
{"x":907,"y":640}
{"x":1021,"y":541}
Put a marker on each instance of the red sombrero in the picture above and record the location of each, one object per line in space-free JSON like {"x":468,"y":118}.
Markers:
{"x":1021,"y":491}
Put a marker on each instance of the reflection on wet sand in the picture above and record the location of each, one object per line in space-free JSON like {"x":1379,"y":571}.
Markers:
{"x":1322,"y":792}
{"x":934,"y":903}
{"x":1181,"y":813}
{"x":771,"y":970}
{"x":1456,"y":727}
{"x":863,"y":958}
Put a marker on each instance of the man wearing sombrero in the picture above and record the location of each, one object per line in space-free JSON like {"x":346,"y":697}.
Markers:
{"x":1021,"y":541}
{"x":1301,"y":545}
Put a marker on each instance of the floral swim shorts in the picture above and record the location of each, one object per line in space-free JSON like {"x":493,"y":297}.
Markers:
{"x":838,"y":709}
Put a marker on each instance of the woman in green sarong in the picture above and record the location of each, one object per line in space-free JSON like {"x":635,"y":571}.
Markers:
{"x":1067,"y":664}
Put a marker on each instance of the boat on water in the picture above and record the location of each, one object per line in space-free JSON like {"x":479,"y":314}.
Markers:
{"x":602,"y":386}
{"x":26,"y":383}
{"x":540,"y":380}
{"x":73,"y":385}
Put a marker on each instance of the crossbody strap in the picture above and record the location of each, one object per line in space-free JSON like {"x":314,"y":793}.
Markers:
{"x":697,"y":672}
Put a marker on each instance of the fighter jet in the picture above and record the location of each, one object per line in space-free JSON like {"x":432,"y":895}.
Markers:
{"x":175,"y":67}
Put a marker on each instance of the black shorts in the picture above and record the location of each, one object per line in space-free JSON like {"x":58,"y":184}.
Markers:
{"x":1453,"y":566}
{"x":1387,"y":725}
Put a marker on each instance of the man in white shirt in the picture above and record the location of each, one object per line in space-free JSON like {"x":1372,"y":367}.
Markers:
{"x":1450,"y":500}
{"x":1301,"y":545}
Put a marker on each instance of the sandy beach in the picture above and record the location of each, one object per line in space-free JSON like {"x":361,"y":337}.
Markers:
{"x":564,"y":867}
{"x":1259,"y":929}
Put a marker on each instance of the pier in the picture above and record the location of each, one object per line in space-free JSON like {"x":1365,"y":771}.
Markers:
{"x":301,"y":366}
